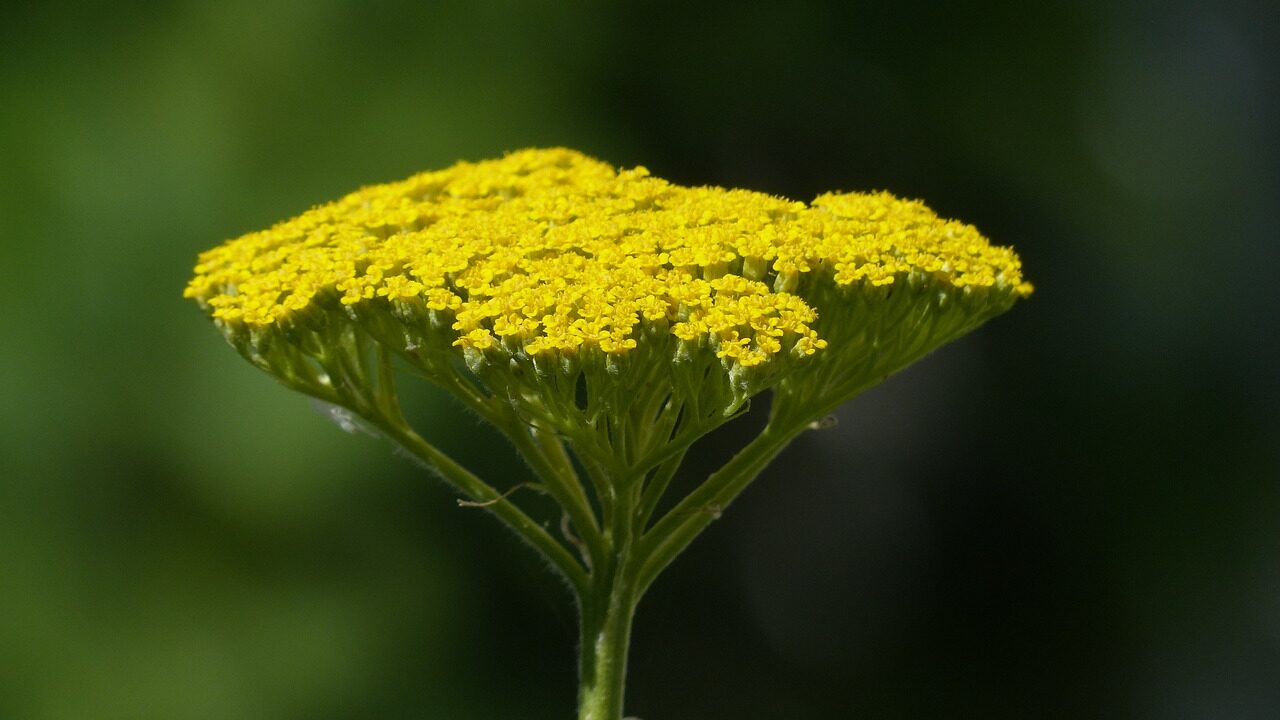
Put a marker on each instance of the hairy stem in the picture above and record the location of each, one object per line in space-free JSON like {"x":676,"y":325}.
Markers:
{"x":605,"y":628}
{"x":672,"y":534}
{"x":606,"y":613}
{"x":481,"y":492}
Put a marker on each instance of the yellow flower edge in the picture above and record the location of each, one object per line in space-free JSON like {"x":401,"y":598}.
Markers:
{"x":552,"y":252}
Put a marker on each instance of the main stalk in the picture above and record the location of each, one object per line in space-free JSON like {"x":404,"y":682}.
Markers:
{"x":605,"y":628}
{"x":607,"y":608}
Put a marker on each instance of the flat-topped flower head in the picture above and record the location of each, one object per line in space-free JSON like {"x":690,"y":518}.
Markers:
{"x":551,"y":259}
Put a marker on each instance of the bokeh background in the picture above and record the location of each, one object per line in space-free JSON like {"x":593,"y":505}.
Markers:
{"x":1074,"y":512}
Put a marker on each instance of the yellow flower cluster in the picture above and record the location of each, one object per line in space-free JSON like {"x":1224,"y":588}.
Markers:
{"x":548,"y":251}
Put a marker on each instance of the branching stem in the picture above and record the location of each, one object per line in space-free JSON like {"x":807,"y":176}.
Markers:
{"x":481,"y":492}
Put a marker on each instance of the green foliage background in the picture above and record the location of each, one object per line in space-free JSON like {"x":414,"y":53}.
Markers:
{"x":1073,"y":513}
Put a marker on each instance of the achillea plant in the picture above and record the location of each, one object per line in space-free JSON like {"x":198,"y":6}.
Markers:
{"x":604,"y":321}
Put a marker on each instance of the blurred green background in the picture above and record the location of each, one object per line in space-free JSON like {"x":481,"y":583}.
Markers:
{"x":1074,"y":512}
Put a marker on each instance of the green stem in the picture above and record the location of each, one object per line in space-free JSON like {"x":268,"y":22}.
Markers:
{"x":480,"y":491}
{"x":545,"y":454}
{"x":605,"y":628}
{"x":607,"y":611}
{"x":565,"y":488}
{"x":673,"y":533}
{"x":654,"y":489}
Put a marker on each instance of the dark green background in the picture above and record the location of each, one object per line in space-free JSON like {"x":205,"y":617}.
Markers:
{"x":1073,"y":513}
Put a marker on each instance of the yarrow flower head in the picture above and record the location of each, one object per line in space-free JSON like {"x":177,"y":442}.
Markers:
{"x":550,"y":262}
{"x":604,"y":313}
